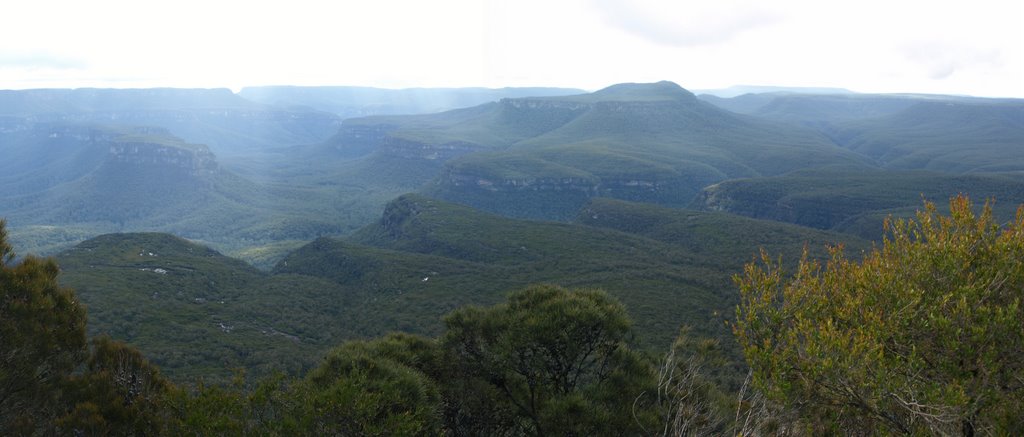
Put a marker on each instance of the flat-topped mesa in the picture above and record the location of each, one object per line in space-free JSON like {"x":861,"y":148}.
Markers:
{"x":663,"y":91}
{"x":196,"y":159}
{"x":639,"y":92}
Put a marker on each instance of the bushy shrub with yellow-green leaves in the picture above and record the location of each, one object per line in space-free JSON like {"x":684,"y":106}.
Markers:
{"x":924,"y":336}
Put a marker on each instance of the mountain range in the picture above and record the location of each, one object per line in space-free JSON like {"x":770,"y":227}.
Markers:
{"x":261,"y":228}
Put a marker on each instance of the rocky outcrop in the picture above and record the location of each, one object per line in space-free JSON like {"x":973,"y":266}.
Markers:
{"x":463,"y":180}
{"x":409,"y":149}
{"x":545,"y":104}
{"x":196,"y":160}
{"x":591,"y":186}
{"x":135,"y":145}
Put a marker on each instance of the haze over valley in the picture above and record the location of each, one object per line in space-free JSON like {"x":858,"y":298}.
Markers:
{"x":478,"y":218}
{"x":82,"y":163}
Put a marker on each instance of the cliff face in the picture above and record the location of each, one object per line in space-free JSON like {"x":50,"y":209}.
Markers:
{"x":545,"y":105}
{"x":138,"y":146}
{"x":195,"y":160}
{"x":465,"y":180}
{"x":408,"y":149}
{"x":357,"y":140}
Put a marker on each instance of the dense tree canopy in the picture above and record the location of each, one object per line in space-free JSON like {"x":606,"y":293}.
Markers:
{"x":923,"y":336}
{"x":555,"y":359}
{"x":42,"y":338}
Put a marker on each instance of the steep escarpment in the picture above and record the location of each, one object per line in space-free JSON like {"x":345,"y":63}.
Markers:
{"x":95,"y":173}
{"x":192,"y":159}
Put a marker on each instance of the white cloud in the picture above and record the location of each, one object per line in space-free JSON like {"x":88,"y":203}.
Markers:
{"x":870,"y":45}
{"x":686,"y":24}
{"x":39,"y":60}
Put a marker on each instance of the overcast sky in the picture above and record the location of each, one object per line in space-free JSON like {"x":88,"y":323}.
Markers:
{"x":936,"y":46}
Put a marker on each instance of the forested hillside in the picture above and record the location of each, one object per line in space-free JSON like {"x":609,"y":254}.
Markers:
{"x":422,"y":259}
{"x":572,"y":263}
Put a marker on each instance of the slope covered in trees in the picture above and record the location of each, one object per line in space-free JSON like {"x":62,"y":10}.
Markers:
{"x":922,"y":336}
{"x":423,"y":259}
{"x":544,"y":157}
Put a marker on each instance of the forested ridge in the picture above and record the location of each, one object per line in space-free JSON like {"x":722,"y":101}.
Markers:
{"x":921,"y":336}
{"x":638,"y":260}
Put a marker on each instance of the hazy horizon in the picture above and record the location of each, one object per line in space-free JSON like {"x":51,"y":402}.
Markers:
{"x":870,"y":47}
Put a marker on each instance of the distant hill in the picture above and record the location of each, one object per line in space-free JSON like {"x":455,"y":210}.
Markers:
{"x":348,"y":102}
{"x":955,"y":137}
{"x":826,"y":109}
{"x":949,"y":134}
{"x":64,"y":182}
{"x":815,"y":110}
{"x":227,"y":123}
{"x":199,"y":314}
{"x":855,"y":201}
{"x":544,"y":157}
{"x":739,"y":90}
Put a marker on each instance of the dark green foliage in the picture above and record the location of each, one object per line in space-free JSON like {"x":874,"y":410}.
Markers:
{"x":197,"y":313}
{"x":119,"y":393}
{"x":549,"y":362}
{"x":468,"y":257}
{"x":371,"y":387}
{"x":422,"y":260}
{"x":42,"y":339}
{"x":50,"y":382}
{"x":556,"y":360}
{"x":361,"y":389}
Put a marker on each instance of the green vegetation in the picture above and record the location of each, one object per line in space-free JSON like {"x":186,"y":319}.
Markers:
{"x":199,"y":314}
{"x":551,"y":361}
{"x":854,"y":201}
{"x":547,"y":155}
{"x":923,"y":336}
{"x":635,"y":147}
{"x":565,"y":351}
{"x":423,"y":259}
{"x":42,"y":339}
{"x":121,"y":179}
{"x":559,"y":361}
{"x":528,"y":157}
{"x":960,"y":137}
{"x":819,"y":109}
{"x":501,"y":327}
